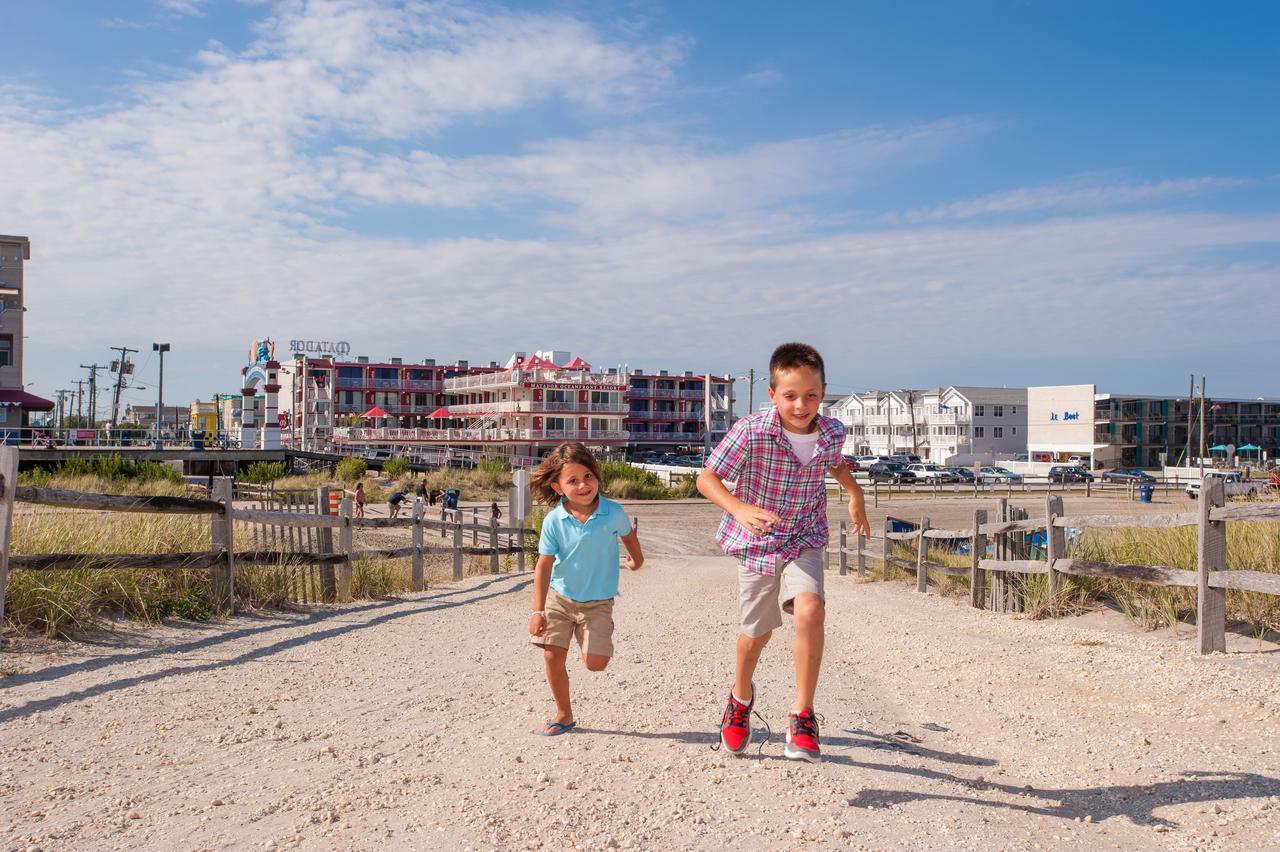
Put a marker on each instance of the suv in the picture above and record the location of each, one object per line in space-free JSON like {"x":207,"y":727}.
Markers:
{"x":1069,"y":473}
{"x":933,"y":472}
{"x":890,"y":472}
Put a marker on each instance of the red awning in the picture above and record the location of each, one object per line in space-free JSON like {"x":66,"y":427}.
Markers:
{"x":577,"y":364}
{"x":375,"y":412}
{"x":440,"y":412}
{"x":28,"y":401}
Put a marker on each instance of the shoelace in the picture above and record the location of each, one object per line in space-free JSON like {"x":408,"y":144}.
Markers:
{"x":768,"y":731}
{"x":806,"y":724}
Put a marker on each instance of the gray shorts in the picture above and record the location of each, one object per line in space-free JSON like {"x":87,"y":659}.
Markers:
{"x":758,"y":594}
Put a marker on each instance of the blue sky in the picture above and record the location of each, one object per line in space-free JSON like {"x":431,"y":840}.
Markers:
{"x":1002,"y":193}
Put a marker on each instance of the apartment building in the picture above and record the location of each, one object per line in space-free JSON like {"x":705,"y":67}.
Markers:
{"x":668,"y":410}
{"x":16,"y":404}
{"x":960,"y":424}
{"x":1125,"y":430}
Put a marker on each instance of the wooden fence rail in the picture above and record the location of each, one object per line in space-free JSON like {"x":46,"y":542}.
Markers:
{"x":297,"y":533}
{"x":996,"y":579}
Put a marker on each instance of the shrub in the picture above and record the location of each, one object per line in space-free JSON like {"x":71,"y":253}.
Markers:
{"x":624,"y":482}
{"x":351,"y":469}
{"x":262,"y":472}
{"x":396,"y":467}
{"x":113,"y":468}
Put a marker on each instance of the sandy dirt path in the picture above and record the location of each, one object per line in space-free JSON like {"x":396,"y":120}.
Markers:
{"x":408,"y":724}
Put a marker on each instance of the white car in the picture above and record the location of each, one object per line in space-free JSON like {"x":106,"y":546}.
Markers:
{"x":925,"y":472}
{"x":991,"y":473}
{"x":1233,"y":484}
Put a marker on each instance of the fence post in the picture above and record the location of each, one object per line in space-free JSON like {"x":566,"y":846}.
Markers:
{"x":328,"y":576}
{"x":922,"y":554}
{"x":520,"y":541}
{"x":224,"y":574}
{"x":457,"y":545}
{"x":1088,"y":487}
{"x":475,"y":526}
{"x":1211,"y":553}
{"x":419,"y":579}
{"x":493,"y":545}
{"x":888,"y":549}
{"x":977,"y":550}
{"x":345,"y":509}
{"x":844,"y":543}
{"x":8,"y":486}
{"x":862,"y":556}
{"x":1055,"y":544}
{"x":875,"y":492}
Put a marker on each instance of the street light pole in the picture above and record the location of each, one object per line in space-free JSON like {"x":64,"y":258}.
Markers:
{"x":161,"y":348}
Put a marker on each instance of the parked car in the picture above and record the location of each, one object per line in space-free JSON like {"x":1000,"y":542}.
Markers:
{"x":1233,"y":484}
{"x":890,"y":472}
{"x":931,"y":472}
{"x":962,"y":474}
{"x":852,"y":463}
{"x":867,"y":461}
{"x":992,"y":473}
{"x":1069,"y":473}
{"x":1127,"y":474}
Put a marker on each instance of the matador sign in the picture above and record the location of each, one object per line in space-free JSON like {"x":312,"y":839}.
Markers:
{"x":321,"y":347}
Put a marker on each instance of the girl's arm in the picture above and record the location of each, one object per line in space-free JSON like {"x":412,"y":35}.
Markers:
{"x":857,"y":505}
{"x":634,"y":557}
{"x":541,"y":582}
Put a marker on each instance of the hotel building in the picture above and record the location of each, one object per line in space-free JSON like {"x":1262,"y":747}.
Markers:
{"x":16,"y":404}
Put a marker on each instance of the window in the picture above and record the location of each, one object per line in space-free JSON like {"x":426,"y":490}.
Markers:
{"x":998,"y":411}
{"x":998,"y":432}
{"x":603,"y":397}
{"x":1015,"y":409}
{"x":1015,"y":430}
{"x":350,"y":372}
{"x":6,"y":350}
{"x":979,"y":411}
{"x":979,"y":431}
{"x":420,"y":399}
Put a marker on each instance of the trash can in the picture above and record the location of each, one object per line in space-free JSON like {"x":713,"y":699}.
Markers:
{"x":197,"y":439}
{"x":1145,"y":491}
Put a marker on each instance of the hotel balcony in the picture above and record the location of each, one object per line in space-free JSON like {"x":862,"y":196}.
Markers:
{"x":342,"y":434}
{"x":466,"y":409}
{"x":388,"y":384}
{"x":512,"y":378}
{"x":636,"y":414}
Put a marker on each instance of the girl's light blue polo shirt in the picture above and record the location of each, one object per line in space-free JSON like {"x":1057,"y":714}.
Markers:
{"x":586,"y":566}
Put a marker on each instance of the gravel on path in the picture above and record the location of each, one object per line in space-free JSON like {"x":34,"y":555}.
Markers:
{"x":409,"y":723}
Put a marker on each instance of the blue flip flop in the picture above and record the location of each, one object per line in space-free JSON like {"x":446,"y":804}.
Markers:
{"x":557,"y":728}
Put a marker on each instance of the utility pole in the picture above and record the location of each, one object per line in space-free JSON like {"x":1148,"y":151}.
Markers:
{"x":1202,"y":446}
{"x":62,"y":417}
{"x":751,"y":390}
{"x":93,"y":392}
{"x":1191,"y":406}
{"x":122,"y":366}
{"x":79,"y":383}
{"x":911,"y":405}
{"x":161,"y":348}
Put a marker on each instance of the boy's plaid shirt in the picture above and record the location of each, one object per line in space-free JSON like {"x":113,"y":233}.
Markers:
{"x":758,"y":457}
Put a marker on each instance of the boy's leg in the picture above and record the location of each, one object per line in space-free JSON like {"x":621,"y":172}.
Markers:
{"x":810,"y":615}
{"x":749,"y":650}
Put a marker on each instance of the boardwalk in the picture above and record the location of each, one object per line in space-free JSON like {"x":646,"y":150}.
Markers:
{"x":409,"y":724}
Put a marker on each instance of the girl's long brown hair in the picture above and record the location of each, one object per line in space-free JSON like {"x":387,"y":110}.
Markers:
{"x":570,"y":452}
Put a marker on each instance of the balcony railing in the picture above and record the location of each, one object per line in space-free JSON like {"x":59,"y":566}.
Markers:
{"x":635,"y":414}
{"x":389,"y":384}
{"x":528,"y":406}
{"x":514,"y":378}
{"x":474,"y":435}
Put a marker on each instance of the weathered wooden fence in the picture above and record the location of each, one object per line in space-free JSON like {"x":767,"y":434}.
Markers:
{"x":291,"y":532}
{"x":994,"y":577}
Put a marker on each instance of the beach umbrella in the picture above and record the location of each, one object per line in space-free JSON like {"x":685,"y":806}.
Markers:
{"x":440,"y":412}
{"x":1218,"y":448}
{"x":1249,"y":447}
{"x":375,"y":412}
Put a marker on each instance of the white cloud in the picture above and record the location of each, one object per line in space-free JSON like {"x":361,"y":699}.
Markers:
{"x":200,"y":209}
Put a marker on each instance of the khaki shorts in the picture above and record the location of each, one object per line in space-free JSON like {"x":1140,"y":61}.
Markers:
{"x":590,"y":622}
{"x":758,"y":593}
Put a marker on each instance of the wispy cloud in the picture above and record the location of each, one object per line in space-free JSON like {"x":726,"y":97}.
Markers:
{"x":1084,"y":193}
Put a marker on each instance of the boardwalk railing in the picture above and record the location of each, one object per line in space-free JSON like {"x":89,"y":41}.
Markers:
{"x":1211,"y":578}
{"x":295,"y":543}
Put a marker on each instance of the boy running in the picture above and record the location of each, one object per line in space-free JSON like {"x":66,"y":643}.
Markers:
{"x":775,"y":523}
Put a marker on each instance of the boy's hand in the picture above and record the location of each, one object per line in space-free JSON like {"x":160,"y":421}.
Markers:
{"x":537,"y":624}
{"x":860,"y":523}
{"x":757,"y":520}
{"x":632,"y":564}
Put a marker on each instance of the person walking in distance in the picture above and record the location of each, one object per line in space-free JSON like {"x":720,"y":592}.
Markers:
{"x":775,"y":523}
{"x":576,"y":577}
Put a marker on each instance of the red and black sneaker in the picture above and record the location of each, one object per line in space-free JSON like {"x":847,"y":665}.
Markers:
{"x":735,"y":727}
{"x":802,"y":737}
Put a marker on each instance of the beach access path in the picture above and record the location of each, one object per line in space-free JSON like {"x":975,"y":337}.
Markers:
{"x":409,"y":723}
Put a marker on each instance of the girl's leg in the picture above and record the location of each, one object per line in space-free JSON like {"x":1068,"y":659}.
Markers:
{"x":558,"y":680}
{"x":595,"y":662}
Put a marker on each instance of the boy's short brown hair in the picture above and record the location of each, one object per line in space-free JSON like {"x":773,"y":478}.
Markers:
{"x":570,"y":452}
{"x":788,"y":356}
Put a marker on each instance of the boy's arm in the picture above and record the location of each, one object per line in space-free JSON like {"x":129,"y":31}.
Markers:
{"x":634,"y":557}
{"x":857,"y":505}
{"x":541,"y":582}
{"x":758,"y":520}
